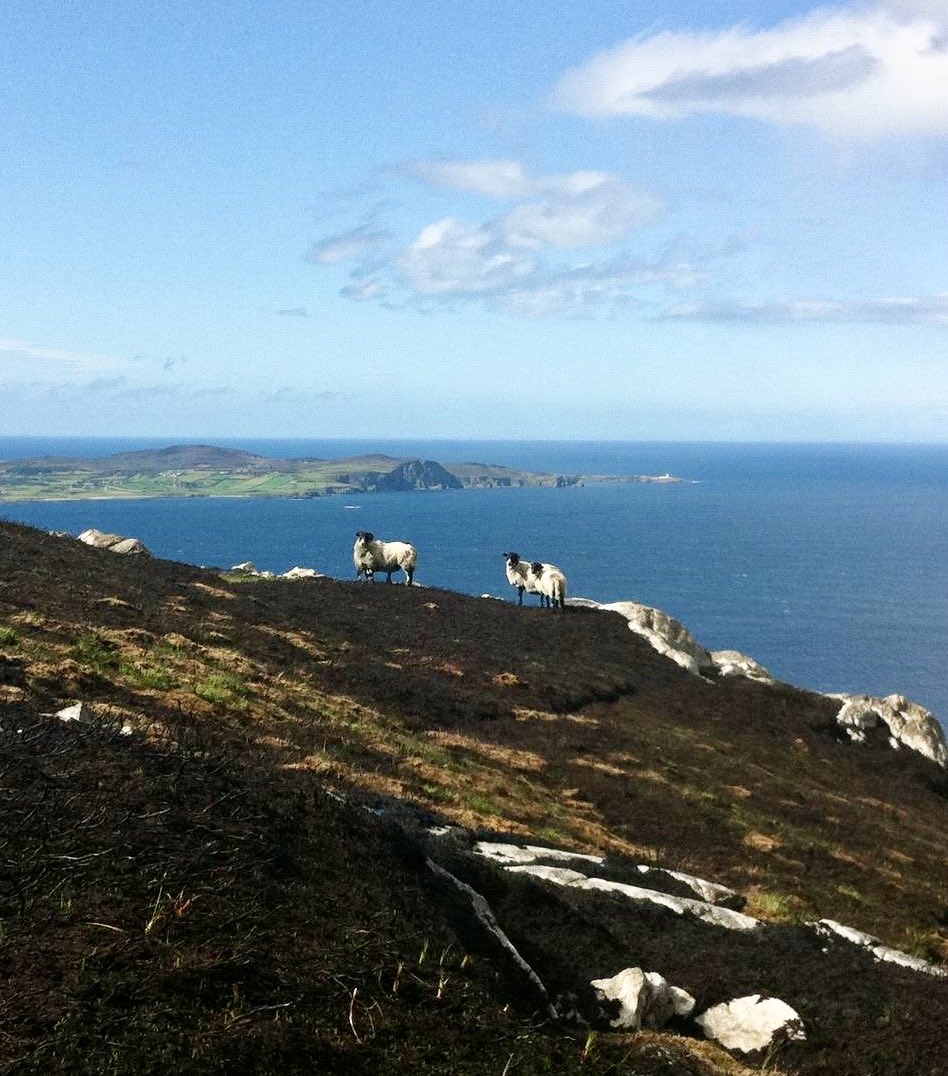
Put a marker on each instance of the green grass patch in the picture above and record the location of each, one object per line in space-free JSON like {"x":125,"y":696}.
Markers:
{"x":222,"y":688}
{"x":147,"y":674}
{"x":8,"y":636}
{"x":95,"y":652}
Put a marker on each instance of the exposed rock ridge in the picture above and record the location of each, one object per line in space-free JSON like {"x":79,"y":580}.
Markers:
{"x":908,"y":724}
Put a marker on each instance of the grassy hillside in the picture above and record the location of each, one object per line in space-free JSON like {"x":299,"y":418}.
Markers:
{"x":182,"y":889}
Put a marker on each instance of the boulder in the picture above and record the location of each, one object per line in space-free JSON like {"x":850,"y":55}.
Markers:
{"x":751,"y":1023}
{"x":247,"y":566}
{"x":909,"y":724}
{"x":115,"y":543}
{"x":645,"y":999}
{"x":734,"y":663}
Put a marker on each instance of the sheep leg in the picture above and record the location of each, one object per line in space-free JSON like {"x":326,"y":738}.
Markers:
{"x":520,"y":595}
{"x":409,"y":576}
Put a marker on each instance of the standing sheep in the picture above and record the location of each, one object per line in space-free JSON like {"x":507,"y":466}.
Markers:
{"x":518,"y":575}
{"x":371,"y":555}
{"x":550,"y":583}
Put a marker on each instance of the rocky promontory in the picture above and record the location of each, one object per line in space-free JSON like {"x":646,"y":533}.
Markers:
{"x":208,"y":471}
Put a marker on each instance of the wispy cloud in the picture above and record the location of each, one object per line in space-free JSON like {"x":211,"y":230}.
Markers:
{"x":294,"y":312}
{"x":848,"y":71}
{"x":926,"y":310}
{"x":22,"y":359}
{"x":346,"y":246}
{"x":514,"y":259}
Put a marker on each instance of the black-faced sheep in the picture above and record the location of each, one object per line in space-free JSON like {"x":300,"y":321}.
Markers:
{"x":519,"y":575}
{"x":371,"y":555}
{"x":550,"y":583}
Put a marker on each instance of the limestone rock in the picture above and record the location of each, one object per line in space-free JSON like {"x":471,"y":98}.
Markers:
{"x":302,"y":573}
{"x":645,"y":999}
{"x":711,"y":892}
{"x":878,"y":950}
{"x":666,"y":635}
{"x":751,"y":1023}
{"x":909,"y":724}
{"x":734,"y":663}
{"x":700,"y":909}
{"x":247,"y":566}
{"x":78,"y":711}
{"x":115,"y":543}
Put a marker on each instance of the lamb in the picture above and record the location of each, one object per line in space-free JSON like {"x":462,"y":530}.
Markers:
{"x":371,"y":555}
{"x":550,"y":583}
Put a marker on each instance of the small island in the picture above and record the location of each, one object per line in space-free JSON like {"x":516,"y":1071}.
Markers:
{"x":207,"y":471}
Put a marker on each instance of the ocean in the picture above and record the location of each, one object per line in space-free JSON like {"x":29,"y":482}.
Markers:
{"x":826,"y":563}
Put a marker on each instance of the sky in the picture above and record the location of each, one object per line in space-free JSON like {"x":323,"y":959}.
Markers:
{"x":538,"y":219}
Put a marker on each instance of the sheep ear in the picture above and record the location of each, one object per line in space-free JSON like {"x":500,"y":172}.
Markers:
{"x":367,"y":535}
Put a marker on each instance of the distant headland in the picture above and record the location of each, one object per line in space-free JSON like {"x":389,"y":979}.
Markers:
{"x":208,"y":471}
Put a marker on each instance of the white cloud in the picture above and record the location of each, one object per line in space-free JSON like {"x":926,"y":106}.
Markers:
{"x":850,"y":72}
{"x":452,"y":258}
{"x":19,"y":359}
{"x":346,"y":246}
{"x":494,"y":179}
{"x":600,"y":210}
{"x":925,"y":310}
{"x":514,"y":260}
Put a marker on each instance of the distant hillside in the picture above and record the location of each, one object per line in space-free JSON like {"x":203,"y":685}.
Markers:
{"x":203,"y":470}
{"x":281,"y":828}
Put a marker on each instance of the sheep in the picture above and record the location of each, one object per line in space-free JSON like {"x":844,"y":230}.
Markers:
{"x":371,"y":555}
{"x":519,"y":576}
{"x":550,"y":583}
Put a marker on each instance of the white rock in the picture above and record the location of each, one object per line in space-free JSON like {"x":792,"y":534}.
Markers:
{"x":645,"y":997}
{"x":878,"y":950}
{"x":909,"y":724}
{"x":734,"y":663}
{"x":301,"y":573}
{"x":116,"y":543}
{"x":709,"y":891}
{"x":529,"y":853}
{"x":709,"y":913}
{"x":78,"y":711}
{"x":665,"y":634}
{"x":247,"y":566}
{"x":751,"y":1023}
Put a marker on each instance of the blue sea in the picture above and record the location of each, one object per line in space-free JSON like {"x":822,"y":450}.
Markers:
{"x":826,"y":563}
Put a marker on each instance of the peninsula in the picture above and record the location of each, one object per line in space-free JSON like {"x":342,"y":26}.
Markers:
{"x":208,"y":471}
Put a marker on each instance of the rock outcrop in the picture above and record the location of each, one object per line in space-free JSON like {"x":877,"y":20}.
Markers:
{"x":114,"y":543}
{"x":414,"y":475}
{"x":666,"y":634}
{"x":909,"y":724}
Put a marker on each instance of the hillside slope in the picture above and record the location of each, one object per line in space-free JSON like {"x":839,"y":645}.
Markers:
{"x":191,"y":878}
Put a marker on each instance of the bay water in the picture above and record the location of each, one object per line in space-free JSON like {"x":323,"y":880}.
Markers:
{"x":827,"y":563}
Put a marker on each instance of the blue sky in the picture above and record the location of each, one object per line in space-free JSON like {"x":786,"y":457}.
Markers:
{"x":539,"y":220}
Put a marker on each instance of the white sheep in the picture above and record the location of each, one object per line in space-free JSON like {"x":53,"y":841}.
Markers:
{"x":550,"y":583}
{"x":371,"y":555}
{"x":519,"y":575}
